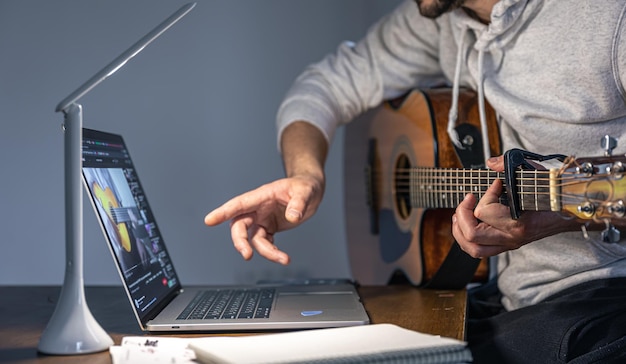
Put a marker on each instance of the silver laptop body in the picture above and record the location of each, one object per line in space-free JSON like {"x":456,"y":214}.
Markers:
{"x":158,"y":299}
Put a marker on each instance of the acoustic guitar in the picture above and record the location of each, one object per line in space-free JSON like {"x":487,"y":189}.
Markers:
{"x":404,"y":178}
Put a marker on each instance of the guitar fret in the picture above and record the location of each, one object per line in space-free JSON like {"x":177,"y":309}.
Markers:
{"x":459,"y":187}
{"x":422,"y":188}
{"x":484,"y":181}
{"x":467,"y":186}
{"x":418,"y":195}
{"x":455,"y":187}
{"x":425,"y":191}
{"x":448,"y":189}
{"x":544,"y":190}
{"x":465,"y":179}
{"x":442,"y":188}
{"x":536,"y":195}
{"x":435,"y":189}
{"x":461,"y":182}
{"x":451,"y":189}
{"x":425,"y":182}
{"x":429,"y":197}
{"x":433,"y":181}
{"x":522,"y":192}
{"x":480,"y":185}
{"x":430,"y":187}
{"x":474,"y":182}
{"x":412,"y":187}
{"x":415,"y":194}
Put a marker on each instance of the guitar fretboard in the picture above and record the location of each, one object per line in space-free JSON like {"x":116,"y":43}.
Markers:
{"x":121,"y":214}
{"x":446,"y":188}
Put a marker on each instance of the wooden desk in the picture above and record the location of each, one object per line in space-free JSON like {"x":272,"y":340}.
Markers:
{"x":25,"y":311}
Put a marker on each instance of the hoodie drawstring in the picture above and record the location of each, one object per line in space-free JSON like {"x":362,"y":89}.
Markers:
{"x":454,"y":112}
{"x":481,"y":107}
{"x":454,"y":107}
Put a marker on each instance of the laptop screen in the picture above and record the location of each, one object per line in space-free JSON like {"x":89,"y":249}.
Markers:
{"x":127,"y":220}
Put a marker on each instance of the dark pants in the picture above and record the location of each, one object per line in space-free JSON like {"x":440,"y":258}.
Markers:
{"x":583,"y":324}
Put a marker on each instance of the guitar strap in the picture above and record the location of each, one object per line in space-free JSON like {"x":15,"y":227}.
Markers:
{"x":458,"y":268}
{"x":456,"y":271}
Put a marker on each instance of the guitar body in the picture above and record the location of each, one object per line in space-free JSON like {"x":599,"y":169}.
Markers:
{"x":109,"y":202}
{"x":387,"y":235}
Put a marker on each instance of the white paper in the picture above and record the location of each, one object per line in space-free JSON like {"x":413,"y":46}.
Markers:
{"x":151,"y":349}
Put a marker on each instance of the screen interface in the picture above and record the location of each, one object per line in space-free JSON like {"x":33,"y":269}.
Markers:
{"x":127,"y":220}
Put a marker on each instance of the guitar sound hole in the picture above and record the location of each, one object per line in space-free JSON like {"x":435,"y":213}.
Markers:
{"x":402,"y":186}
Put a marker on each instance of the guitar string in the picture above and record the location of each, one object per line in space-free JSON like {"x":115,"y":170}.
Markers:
{"x":476,"y":182}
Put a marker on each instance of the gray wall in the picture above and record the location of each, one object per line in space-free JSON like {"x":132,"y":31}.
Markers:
{"x":197,"y":108}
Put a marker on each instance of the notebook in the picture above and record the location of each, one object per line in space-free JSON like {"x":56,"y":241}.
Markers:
{"x":157,"y":297}
{"x":376,"y":343}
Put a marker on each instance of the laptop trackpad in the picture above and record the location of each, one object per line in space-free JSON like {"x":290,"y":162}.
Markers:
{"x":315,"y":301}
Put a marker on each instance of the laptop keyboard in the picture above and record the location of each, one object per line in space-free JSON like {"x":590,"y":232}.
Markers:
{"x":230,"y":304}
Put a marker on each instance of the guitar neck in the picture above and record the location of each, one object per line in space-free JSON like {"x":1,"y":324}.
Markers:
{"x":122,"y":214}
{"x":446,"y":188}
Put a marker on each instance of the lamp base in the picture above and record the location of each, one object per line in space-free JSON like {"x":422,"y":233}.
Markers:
{"x":72,"y":329}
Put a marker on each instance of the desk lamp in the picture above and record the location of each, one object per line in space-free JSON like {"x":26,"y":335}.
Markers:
{"x":72,"y":328}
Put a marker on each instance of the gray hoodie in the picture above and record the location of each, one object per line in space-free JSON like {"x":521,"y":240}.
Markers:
{"x":553,"y":70}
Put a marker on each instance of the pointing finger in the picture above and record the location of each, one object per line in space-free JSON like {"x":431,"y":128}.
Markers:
{"x":242,"y":204}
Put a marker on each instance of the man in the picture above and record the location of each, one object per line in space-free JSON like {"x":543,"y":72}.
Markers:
{"x":555,"y":73}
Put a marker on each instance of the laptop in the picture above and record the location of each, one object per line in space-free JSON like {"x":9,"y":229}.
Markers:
{"x":159,"y":300}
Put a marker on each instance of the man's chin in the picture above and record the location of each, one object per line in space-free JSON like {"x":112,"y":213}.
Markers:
{"x":435,"y":8}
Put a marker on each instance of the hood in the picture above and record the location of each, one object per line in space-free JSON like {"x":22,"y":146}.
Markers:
{"x":507,"y":18}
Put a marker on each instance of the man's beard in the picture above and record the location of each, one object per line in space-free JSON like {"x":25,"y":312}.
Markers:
{"x":434,"y":8}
